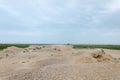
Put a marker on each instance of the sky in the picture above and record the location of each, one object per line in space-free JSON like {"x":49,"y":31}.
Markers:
{"x":60,"y":21}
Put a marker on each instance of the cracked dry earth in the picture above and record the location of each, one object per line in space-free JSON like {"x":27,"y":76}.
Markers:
{"x":59,"y":62}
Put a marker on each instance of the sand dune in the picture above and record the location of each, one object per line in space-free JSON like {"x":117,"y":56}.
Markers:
{"x":59,"y":62}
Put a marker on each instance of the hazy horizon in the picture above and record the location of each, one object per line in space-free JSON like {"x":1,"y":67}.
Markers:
{"x":60,"y":22}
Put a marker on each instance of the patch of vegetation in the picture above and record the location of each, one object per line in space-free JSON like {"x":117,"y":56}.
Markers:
{"x":4,"y":46}
{"x":115,"y":47}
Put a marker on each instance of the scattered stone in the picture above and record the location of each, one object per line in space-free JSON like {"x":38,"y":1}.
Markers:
{"x":98,"y":53}
{"x":1,"y":57}
{"x":24,"y":51}
{"x":51,"y":54}
{"x":23,"y":62}
{"x":7,"y":55}
{"x":55,"y":49}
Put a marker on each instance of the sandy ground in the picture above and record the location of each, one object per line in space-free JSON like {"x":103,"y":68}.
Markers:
{"x":59,"y":62}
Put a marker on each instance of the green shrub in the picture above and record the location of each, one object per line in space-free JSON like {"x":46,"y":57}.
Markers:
{"x":116,"y":47}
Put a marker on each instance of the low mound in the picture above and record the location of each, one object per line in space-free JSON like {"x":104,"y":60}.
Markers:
{"x":98,"y":55}
{"x":11,"y":52}
{"x":12,"y":49}
{"x":101,"y":56}
{"x":49,"y":47}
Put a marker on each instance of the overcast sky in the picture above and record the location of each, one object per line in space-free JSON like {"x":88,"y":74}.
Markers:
{"x":60,"y":21}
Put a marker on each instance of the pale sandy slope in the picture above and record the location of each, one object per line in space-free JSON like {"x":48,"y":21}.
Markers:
{"x":58,"y":62}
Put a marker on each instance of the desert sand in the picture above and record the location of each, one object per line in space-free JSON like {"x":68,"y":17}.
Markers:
{"x":59,"y":62}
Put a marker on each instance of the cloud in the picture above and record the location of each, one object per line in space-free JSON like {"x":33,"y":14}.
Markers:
{"x":57,"y":12}
{"x":9,"y":9}
{"x":113,"y":6}
{"x":111,"y":34}
{"x":25,"y":33}
{"x":51,"y":21}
